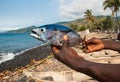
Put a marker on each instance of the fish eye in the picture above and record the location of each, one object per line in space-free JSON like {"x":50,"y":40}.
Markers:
{"x":42,"y":30}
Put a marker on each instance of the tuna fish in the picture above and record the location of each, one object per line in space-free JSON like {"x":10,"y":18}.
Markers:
{"x":53,"y":34}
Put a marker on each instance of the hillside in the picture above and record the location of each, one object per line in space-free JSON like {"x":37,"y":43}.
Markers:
{"x":80,"y":21}
{"x":23,"y":30}
{"x":28,"y":29}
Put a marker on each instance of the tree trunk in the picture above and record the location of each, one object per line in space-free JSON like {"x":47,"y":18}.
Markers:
{"x":116,"y":17}
{"x":118,"y":30}
{"x":112,"y":14}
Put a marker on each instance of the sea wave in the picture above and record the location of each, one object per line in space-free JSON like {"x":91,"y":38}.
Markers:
{"x":6,"y":56}
{"x":9,"y":56}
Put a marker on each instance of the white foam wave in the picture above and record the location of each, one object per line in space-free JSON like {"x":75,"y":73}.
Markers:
{"x":9,"y":56}
{"x":6,"y":56}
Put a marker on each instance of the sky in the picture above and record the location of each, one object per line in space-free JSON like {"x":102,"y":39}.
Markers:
{"x":16,"y":14}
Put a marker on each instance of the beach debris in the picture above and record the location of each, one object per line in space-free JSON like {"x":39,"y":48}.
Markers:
{"x":53,"y":34}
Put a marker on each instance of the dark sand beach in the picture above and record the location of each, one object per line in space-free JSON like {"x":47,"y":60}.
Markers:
{"x":25,"y":58}
{"x":51,"y":70}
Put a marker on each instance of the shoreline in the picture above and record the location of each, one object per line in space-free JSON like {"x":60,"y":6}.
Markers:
{"x":11,"y":55}
{"x":50,"y":67}
{"x":35,"y":53}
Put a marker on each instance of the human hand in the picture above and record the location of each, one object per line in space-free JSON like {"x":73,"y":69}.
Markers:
{"x":94,"y":44}
{"x":66,"y":55}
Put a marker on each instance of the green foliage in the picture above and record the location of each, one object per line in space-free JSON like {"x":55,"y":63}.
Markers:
{"x":81,"y":28}
{"x":112,"y":4}
{"x":88,"y":16}
{"x":107,"y":23}
{"x":103,"y":24}
{"x":74,"y":26}
{"x":77,"y":27}
{"x":100,"y":23}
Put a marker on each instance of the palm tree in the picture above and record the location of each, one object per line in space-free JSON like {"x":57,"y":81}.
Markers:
{"x":107,"y":23}
{"x":88,"y":16}
{"x":89,"y":19}
{"x":113,"y":5}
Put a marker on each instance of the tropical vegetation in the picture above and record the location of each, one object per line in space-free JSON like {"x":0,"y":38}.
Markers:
{"x":91,"y":22}
{"x":114,"y":5}
{"x":102,"y":23}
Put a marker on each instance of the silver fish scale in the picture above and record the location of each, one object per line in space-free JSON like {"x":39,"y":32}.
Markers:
{"x":53,"y":34}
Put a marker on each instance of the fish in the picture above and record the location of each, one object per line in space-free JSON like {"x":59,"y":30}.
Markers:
{"x":53,"y":34}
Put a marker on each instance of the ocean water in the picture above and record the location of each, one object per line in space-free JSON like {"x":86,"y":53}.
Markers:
{"x":14,"y":44}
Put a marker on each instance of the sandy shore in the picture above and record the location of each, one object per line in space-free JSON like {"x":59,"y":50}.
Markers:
{"x":51,"y":70}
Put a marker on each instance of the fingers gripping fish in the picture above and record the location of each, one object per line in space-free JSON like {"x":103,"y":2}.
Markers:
{"x":53,"y":34}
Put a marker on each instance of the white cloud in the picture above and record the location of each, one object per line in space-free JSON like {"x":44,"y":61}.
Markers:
{"x":13,"y":24}
{"x":9,"y":28}
{"x":75,"y":9}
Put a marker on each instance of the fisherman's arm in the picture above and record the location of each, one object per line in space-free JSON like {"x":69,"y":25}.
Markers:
{"x":96,"y":44}
{"x":104,"y":72}
{"x":113,"y":45}
{"x":101,"y":72}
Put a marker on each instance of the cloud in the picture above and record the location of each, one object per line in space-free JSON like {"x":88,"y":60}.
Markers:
{"x":9,"y":28}
{"x":17,"y":23}
{"x":75,"y":9}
